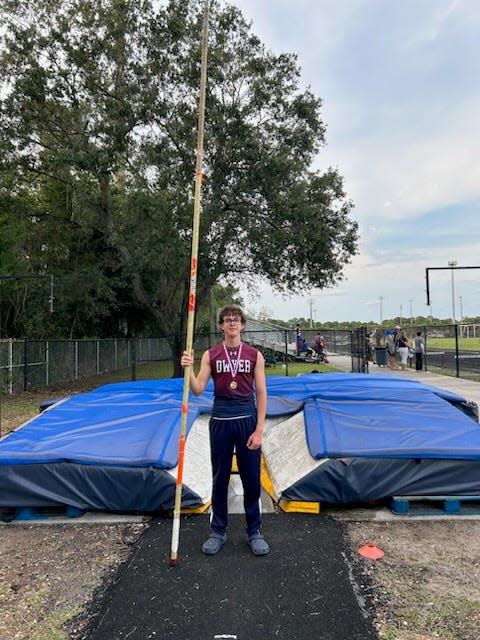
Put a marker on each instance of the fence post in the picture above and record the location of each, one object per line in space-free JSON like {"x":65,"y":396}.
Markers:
{"x":134,"y":358}
{"x":286,"y":352}
{"x":456,"y":351}
{"x":47,"y":362}
{"x":25,"y":364}
{"x":353,"y":349}
{"x":425,"y":338}
{"x":10,"y":366}
{"x":75,"y":360}
{"x":358,"y":350}
{"x":138,"y":351}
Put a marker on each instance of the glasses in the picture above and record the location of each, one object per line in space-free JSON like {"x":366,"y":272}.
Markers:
{"x":231,"y":321}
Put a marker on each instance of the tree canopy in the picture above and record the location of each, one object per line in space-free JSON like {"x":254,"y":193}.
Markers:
{"x":98,"y":121}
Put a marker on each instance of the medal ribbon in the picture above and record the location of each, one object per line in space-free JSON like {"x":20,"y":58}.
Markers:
{"x":233,"y":369}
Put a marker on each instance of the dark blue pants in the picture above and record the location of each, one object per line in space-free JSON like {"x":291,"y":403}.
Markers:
{"x":225,"y":436}
{"x":419,"y":361}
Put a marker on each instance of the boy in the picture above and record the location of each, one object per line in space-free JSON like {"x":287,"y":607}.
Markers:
{"x":237,"y":423}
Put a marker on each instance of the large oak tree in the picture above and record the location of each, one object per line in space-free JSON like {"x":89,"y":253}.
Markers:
{"x":98,"y":125}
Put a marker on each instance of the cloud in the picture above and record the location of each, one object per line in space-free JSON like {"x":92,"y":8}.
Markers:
{"x":400,"y":91}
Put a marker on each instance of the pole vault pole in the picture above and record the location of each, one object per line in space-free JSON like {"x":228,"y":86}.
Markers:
{"x":193,"y":290}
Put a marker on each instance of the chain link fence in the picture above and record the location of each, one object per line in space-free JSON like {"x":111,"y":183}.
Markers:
{"x":452,"y":349}
{"x":29,"y":364}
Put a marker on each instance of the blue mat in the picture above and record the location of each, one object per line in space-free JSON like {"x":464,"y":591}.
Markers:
{"x":114,"y":449}
{"x":346,"y":415}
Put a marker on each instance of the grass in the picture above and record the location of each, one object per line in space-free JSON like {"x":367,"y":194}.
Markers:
{"x":296,"y":368}
{"x":442,"y":615}
{"x":448,"y":344}
{"x":51,"y":626}
{"x":465,"y":344}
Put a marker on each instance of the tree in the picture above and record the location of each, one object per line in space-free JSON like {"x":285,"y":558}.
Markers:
{"x":219,"y":296}
{"x":104,"y":97}
{"x":73,"y":100}
{"x":264,"y":210}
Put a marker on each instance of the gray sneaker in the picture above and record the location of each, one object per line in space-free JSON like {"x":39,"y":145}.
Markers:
{"x":214,"y":543}
{"x":258,"y":544}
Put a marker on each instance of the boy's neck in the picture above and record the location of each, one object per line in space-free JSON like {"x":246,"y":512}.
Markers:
{"x":232,"y":342}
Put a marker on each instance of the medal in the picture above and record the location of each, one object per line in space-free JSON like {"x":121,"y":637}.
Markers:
{"x":233,"y":365}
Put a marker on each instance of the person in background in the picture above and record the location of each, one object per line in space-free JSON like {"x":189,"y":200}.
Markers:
{"x":320,"y":341}
{"x":320,"y":346}
{"x":419,"y":343}
{"x":299,"y":340}
{"x":391,"y":348}
{"x":369,"y":347}
{"x":303,"y":347}
{"x":403,"y":348}
{"x":396,"y":333}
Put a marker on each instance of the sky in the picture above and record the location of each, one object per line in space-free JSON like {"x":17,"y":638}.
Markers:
{"x":400,"y":86}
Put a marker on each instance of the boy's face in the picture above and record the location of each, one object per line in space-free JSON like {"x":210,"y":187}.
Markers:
{"x":232,"y":325}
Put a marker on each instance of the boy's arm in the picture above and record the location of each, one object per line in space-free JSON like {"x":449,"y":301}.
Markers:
{"x":200,"y":381}
{"x":255,"y":440}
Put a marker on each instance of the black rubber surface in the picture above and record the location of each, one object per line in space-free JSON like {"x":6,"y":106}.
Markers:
{"x":302,"y":589}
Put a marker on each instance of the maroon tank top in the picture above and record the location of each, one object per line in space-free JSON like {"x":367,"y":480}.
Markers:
{"x":233,"y":370}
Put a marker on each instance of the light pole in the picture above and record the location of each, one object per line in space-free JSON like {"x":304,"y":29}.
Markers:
{"x":312,"y":311}
{"x":452,"y":264}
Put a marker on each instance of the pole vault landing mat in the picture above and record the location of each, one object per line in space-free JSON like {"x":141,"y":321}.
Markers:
{"x":302,"y":589}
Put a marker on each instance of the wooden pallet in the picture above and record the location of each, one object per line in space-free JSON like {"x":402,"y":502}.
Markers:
{"x":435,"y":505}
{"x":39,"y":513}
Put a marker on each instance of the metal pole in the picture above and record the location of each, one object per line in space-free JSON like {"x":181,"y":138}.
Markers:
{"x":133,"y":352}
{"x":457,"y":363}
{"x":47,"y":362}
{"x":51,"y":299}
{"x":10,"y":366}
{"x":25,"y":364}
{"x":452,"y":264}
{"x":193,"y":290}
{"x":453,"y":298}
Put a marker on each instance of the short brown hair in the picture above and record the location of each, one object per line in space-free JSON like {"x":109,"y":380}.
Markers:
{"x":234,"y":310}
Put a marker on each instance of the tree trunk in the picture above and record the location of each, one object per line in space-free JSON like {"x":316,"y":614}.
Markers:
{"x":177,"y":346}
